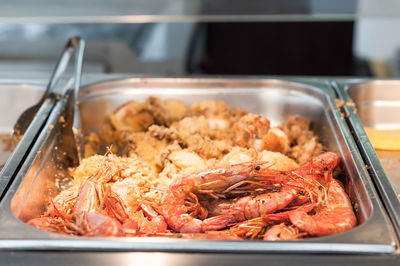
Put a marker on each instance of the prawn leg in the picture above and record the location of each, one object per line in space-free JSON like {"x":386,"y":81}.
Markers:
{"x":282,"y":232}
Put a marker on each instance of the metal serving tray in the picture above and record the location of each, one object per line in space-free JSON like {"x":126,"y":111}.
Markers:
{"x":14,"y":99}
{"x":276,"y":99}
{"x":377,"y":106}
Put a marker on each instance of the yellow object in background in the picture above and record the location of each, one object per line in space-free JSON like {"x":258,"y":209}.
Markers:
{"x":384,"y":139}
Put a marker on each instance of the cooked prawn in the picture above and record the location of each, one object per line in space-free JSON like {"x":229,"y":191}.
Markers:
{"x":282,"y":232}
{"x":250,"y":207}
{"x":334,"y":217}
{"x":172,"y":206}
{"x":217,"y":182}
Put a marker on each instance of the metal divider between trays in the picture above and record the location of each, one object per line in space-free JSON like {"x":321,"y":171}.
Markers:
{"x":374,"y":167}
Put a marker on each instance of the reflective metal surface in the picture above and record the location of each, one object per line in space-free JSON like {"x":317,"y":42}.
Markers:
{"x":14,"y":99}
{"x":377,"y":101}
{"x":52,"y":153}
{"x":144,"y":11}
{"x":72,"y":47}
{"x":377,"y":106}
{"x":45,"y":258}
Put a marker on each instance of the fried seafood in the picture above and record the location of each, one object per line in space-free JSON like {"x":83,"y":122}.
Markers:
{"x":132,"y":116}
{"x":146,"y":147}
{"x":275,"y":160}
{"x":137,"y":117}
{"x":211,"y":107}
{"x":187,"y":161}
{"x":165,"y":112}
{"x":249,"y":129}
{"x":200,"y":135}
{"x":304,"y":144}
{"x":114,"y":168}
{"x":207,"y":171}
{"x":275,"y":140}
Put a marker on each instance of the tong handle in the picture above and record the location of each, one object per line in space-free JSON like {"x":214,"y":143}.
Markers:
{"x":75,"y":45}
{"x":76,"y":124}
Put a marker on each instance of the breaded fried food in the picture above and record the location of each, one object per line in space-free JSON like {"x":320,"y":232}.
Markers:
{"x":165,"y":112}
{"x":147,"y":147}
{"x":180,"y":163}
{"x":248,"y":129}
{"x":114,"y":168}
{"x":132,"y":116}
{"x":273,"y":160}
{"x":195,"y":134}
{"x":275,"y":140}
{"x":211,"y":108}
{"x":303,"y":143}
{"x":211,"y":129}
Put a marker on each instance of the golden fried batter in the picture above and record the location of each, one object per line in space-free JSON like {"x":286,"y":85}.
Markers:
{"x":275,"y":140}
{"x":273,"y":160}
{"x":167,"y":111}
{"x":211,"y":107}
{"x":116,"y":168}
{"x":132,"y":116}
{"x":303,"y":143}
{"x":249,"y":128}
{"x":147,"y":147}
{"x":172,"y":139}
{"x":195,"y":134}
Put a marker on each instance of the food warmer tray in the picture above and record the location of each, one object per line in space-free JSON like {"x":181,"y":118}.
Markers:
{"x":52,"y":153}
{"x":377,"y":105}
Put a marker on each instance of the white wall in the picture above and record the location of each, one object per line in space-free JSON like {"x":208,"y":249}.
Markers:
{"x":377,"y":30}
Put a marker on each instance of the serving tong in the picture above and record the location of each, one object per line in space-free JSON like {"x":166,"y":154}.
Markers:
{"x":76,"y":124}
{"x":74,"y":48}
{"x":61,"y":85}
{"x":32,"y":120}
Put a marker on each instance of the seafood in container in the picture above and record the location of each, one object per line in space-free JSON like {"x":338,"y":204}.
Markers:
{"x":46,"y":167}
{"x":372,"y":108}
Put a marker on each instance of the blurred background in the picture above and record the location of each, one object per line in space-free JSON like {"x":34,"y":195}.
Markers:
{"x":339,"y":38}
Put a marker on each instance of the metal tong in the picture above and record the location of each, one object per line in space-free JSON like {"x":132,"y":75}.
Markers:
{"x":74,"y":48}
{"x":76,"y":124}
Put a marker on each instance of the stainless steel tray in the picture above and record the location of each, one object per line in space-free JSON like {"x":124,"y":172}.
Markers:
{"x":27,"y":197}
{"x":14,"y":99}
{"x":377,"y":106}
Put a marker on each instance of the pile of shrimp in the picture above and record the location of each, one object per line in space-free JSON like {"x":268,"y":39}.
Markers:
{"x":207,"y":171}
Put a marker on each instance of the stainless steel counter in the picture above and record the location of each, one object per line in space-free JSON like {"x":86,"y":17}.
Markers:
{"x":178,"y":259}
